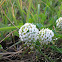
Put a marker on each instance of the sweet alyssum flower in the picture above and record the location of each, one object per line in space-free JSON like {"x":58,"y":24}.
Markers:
{"x":45,"y":36}
{"x":59,"y":23}
{"x":28,"y":33}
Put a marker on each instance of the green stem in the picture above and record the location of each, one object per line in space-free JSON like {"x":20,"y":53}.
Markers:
{"x":57,"y":49}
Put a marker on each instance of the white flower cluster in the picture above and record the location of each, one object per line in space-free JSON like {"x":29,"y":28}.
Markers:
{"x":45,"y":36}
{"x":28,"y":33}
{"x":59,"y":23}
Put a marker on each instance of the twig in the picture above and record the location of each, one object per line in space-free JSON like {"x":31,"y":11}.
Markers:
{"x":4,"y":58}
{"x":7,"y":35}
{"x":11,"y":52}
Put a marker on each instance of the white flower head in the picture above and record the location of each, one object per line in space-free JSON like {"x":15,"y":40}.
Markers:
{"x":45,"y":36}
{"x":59,"y":23}
{"x":28,"y":33}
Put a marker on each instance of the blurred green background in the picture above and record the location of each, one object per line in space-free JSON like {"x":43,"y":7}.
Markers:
{"x":14,"y":13}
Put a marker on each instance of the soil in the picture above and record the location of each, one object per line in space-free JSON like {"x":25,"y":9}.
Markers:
{"x":18,"y":53}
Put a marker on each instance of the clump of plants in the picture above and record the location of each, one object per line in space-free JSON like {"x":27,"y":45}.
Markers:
{"x":31,"y":30}
{"x":29,"y":34}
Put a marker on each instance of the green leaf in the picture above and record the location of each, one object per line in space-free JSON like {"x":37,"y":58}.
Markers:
{"x":39,"y":25}
{"x":9,"y":28}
